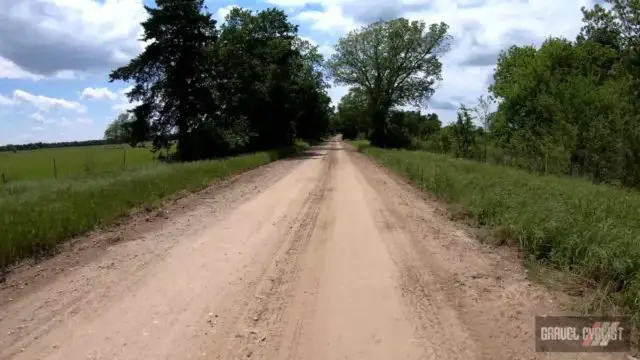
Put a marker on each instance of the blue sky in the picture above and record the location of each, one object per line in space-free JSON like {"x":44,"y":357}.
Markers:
{"x":55,"y":55}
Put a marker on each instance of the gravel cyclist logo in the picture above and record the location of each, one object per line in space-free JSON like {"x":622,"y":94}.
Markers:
{"x":582,"y":334}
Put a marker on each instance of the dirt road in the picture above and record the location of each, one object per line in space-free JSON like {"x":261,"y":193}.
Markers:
{"x":324,"y":256}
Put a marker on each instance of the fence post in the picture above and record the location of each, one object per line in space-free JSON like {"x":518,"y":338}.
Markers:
{"x":124,"y":158}
{"x":4,"y":179}
{"x":55,"y":169}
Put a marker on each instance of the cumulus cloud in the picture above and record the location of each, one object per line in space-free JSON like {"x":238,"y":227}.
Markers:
{"x":38,"y":117}
{"x":9,"y":70}
{"x":331,"y":20}
{"x":123,"y":104}
{"x":59,"y":37}
{"x":6,"y":101}
{"x":98,"y":94}
{"x":45,"y":103}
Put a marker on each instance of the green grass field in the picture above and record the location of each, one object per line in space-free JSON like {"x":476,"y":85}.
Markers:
{"x":590,"y":232}
{"x":37,"y":215}
{"x":71,"y":162}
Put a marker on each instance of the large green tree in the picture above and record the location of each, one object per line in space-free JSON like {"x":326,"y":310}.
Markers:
{"x":352,"y":120}
{"x":394,"y":62}
{"x":118,"y":131}
{"x":174,"y":77}
{"x":272,"y":85}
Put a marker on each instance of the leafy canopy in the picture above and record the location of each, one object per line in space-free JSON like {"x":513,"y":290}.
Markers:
{"x":394,"y":63}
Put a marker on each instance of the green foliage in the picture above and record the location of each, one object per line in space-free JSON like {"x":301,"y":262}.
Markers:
{"x":172,"y":76}
{"x":272,"y":80}
{"x":251,"y":85}
{"x":126,"y":130}
{"x":36,"y":216}
{"x":586,"y":229}
{"x":351,"y":120}
{"x":464,"y":137}
{"x":392,"y":63}
{"x":572,"y":107}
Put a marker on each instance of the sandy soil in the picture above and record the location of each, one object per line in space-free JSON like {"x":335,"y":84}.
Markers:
{"x":323,"y":256}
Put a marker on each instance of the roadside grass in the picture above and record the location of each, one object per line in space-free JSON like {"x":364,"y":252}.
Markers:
{"x":70,"y":162}
{"x":586,"y":231}
{"x":35,"y":216}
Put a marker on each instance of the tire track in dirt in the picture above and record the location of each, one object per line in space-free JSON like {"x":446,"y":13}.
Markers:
{"x":150,"y":297}
{"x":259,"y":326}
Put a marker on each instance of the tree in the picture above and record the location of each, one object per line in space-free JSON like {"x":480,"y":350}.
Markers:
{"x":271,"y":81}
{"x":394,"y":63}
{"x":483,"y":114}
{"x":351,"y":114}
{"x":464,"y":134}
{"x":126,"y":130}
{"x":431,"y":125}
{"x":173,"y":75}
{"x":118,"y":131}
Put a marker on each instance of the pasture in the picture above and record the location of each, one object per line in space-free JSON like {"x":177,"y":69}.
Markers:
{"x":71,"y":162}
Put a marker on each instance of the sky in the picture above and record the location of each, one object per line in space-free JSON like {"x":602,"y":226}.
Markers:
{"x":55,"y":55}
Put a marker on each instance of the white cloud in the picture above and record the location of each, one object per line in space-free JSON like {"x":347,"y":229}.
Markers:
{"x":122,"y":107}
{"x":9,"y":70}
{"x":59,"y":38}
{"x":98,"y":94}
{"x":5,"y":101}
{"x":38,"y":117}
{"x":290,"y":3}
{"x":123,"y":104}
{"x":222,"y":12}
{"x":45,"y":103}
{"x":74,"y":123}
{"x":37,"y":129}
{"x":331,"y":20}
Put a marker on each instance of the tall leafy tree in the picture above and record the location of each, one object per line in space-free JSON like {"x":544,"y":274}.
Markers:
{"x":271,"y":80}
{"x":118,"y":131}
{"x":352,"y":118}
{"x":174,"y":77}
{"x":394,"y":62}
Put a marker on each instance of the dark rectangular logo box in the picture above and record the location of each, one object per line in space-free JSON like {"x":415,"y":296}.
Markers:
{"x":583,"y":334}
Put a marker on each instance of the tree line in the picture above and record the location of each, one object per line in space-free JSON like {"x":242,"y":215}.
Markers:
{"x":41,"y":145}
{"x":572,"y":106}
{"x":567,"y":107}
{"x":250,"y":84}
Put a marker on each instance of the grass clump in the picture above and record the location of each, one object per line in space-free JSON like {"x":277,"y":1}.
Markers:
{"x":591,"y":231}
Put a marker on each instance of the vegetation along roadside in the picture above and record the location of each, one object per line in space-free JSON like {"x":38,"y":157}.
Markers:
{"x":37,"y":216}
{"x":588,"y":230}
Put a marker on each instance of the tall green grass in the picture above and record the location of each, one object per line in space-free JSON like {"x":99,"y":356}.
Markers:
{"x":35,"y":216}
{"x":592,"y":231}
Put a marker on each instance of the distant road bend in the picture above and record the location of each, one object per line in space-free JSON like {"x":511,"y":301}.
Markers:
{"x":321,"y":256}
